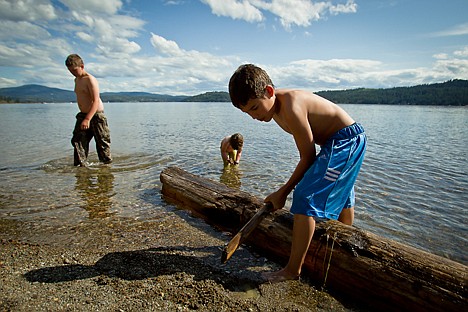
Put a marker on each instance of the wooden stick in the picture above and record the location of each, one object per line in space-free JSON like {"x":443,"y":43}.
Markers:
{"x":245,"y":231}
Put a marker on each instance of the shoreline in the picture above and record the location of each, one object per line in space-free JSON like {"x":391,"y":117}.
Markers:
{"x":167,"y":264}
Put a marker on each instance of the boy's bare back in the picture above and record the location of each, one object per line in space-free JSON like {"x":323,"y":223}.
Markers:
{"x":323,"y":117}
{"x":310,"y":119}
{"x":225,"y":145}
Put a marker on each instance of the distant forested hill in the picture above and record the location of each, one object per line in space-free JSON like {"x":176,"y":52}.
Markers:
{"x":140,"y":97}
{"x":41,"y":94}
{"x":453,"y":92}
{"x":216,"y":96}
{"x":35,"y":94}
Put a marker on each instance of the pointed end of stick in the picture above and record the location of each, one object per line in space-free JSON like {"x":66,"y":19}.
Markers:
{"x":224,"y":257}
{"x":230,"y":248}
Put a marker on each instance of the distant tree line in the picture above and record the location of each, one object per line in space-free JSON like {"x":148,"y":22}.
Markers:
{"x":6,"y":99}
{"x":138,"y":97}
{"x":453,"y":93}
{"x":216,"y":96}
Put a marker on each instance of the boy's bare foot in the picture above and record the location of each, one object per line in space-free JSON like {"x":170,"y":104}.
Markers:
{"x":279,"y":276}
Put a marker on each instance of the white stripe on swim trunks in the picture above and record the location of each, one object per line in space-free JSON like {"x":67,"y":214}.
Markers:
{"x":332,"y":174}
{"x":333,"y":170}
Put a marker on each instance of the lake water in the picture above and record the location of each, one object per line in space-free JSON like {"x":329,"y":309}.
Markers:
{"x":412,"y":187}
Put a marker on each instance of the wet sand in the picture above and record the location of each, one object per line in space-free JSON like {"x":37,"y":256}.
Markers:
{"x":169,"y":264}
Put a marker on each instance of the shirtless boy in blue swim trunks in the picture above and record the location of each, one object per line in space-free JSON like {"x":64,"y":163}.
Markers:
{"x":324,"y":183}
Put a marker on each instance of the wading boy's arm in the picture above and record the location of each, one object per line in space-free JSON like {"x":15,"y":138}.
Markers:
{"x":225,"y":154}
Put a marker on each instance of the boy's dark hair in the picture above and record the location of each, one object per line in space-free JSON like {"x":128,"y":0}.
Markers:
{"x":236,"y":141}
{"x":248,"y":82}
{"x":74,"y":60}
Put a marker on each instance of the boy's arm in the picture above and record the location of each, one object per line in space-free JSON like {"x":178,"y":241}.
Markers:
{"x":224,"y":153}
{"x":93,"y":88}
{"x":297,"y":120}
{"x":238,"y":156}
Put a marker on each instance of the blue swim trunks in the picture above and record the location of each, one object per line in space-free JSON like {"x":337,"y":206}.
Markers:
{"x":328,"y":186}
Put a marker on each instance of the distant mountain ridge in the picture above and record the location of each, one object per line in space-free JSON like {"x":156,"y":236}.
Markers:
{"x":39,"y":94}
{"x":453,"y":92}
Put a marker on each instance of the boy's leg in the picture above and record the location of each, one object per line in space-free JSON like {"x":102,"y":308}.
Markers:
{"x":81,"y":146}
{"x":102,"y":137}
{"x":303,"y":230}
{"x":347,"y":213}
{"x":80,"y":143}
{"x":79,"y":155}
{"x":347,"y":216}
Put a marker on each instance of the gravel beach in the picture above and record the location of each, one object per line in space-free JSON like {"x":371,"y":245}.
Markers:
{"x":168,"y":264}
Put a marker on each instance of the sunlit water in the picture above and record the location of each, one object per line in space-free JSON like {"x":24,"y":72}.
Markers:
{"x":412,"y":186}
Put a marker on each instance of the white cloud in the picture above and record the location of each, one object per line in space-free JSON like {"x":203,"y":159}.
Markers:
{"x":173,"y":2}
{"x":127,"y":26}
{"x":117,"y":48}
{"x":165,"y":46}
{"x":26,"y":10}
{"x":320,"y":74}
{"x":298,"y":12}
{"x":338,"y":74}
{"x":84,"y":36}
{"x":35,"y":47}
{"x":456,"y":66}
{"x":85,"y":19}
{"x":461,"y":53}
{"x":440,"y":56}
{"x":25,"y":55}
{"x":110,"y":32}
{"x":235,"y":9}
{"x":34,"y":33}
{"x":55,"y":77}
{"x":290,"y":12}
{"x":348,"y":7}
{"x":5,"y":82}
{"x":101,"y":6}
{"x":447,"y":69}
{"x":457,"y":30}
{"x":22,"y":30}
{"x":171,"y":70}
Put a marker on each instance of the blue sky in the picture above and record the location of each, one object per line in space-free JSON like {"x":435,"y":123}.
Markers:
{"x":193,"y":46}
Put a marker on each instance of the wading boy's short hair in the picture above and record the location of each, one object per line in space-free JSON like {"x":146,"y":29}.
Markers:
{"x":236,"y":141}
{"x":74,"y":60}
{"x":248,"y":82}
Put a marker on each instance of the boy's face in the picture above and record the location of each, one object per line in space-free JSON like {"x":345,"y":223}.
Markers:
{"x":76,"y":71}
{"x":261,"y":108}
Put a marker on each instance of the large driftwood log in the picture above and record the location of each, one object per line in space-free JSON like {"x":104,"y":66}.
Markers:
{"x":373,"y":269}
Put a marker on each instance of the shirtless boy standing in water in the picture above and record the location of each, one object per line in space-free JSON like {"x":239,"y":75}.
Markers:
{"x":324,"y":183}
{"x":90,"y":121}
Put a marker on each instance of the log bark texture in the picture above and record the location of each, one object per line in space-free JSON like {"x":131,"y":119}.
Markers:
{"x":372,"y":269}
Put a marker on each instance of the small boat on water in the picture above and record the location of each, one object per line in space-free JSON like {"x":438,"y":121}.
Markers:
{"x":380,"y":272}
